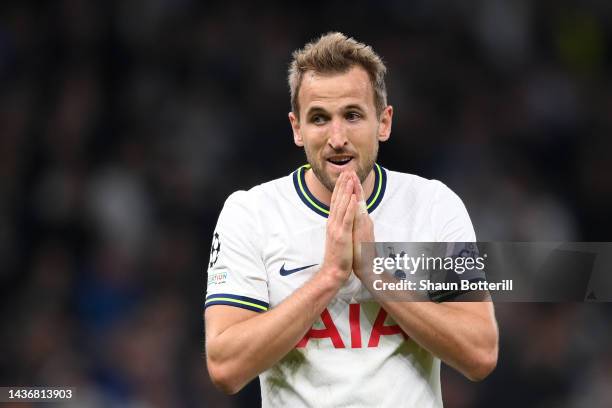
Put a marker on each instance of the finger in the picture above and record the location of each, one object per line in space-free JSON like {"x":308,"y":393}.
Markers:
{"x":335,"y":192}
{"x":344,"y":199}
{"x":349,"y":216}
{"x":361,"y":203}
{"x":359,"y":189}
{"x":345,"y":195}
{"x":355,"y":179}
{"x":334,"y":199}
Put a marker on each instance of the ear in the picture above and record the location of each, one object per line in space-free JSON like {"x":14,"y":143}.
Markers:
{"x":295,"y":126}
{"x":384,"y":126}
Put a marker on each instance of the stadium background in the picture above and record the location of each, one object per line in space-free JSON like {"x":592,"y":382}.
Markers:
{"x":125,"y":124}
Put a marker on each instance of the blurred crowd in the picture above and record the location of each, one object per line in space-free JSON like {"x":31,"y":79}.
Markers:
{"x":125,"y":124}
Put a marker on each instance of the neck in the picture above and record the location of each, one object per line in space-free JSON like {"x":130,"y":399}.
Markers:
{"x":324,"y":195}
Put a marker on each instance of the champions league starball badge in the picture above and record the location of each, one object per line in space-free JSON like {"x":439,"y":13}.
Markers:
{"x":215,"y":248}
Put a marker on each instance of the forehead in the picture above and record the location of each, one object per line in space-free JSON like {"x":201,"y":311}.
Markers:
{"x":351,"y":87}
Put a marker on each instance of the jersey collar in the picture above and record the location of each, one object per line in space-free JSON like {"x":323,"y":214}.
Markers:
{"x":299,"y":181}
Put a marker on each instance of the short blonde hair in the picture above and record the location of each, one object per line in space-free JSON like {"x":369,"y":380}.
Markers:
{"x":336,"y":53}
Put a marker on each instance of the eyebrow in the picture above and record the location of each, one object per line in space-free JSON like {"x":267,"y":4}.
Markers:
{"x":318,"y":109}
{"x":354,"y":106}
{"x":315,"y":109}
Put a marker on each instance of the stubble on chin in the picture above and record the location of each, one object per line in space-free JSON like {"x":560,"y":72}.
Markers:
{"x":326,"y":179}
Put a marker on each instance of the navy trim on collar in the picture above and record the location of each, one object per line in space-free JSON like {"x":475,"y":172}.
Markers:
{"x":299,"y":182}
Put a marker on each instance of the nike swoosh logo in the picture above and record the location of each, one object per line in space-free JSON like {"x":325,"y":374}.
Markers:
{"x":285,"y":272}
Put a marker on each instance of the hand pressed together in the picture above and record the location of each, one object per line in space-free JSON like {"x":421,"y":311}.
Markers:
{"x":348,"y":225}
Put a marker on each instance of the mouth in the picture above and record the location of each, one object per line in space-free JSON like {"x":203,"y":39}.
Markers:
{"x":340,"y":160}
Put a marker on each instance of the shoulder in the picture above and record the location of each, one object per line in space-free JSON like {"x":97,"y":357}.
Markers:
{"x":414,"y":181}
{"x":419,"y":188}
{"x":431,"y":202}
{"x":258,"y":197}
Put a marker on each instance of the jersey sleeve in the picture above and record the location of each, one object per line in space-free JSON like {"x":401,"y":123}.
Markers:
{"x":452,"y":224}
{"x":236,"y":273}
{"x":450,"y":217}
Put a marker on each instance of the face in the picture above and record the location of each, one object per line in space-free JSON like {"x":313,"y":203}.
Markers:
{"x":338,"y":125}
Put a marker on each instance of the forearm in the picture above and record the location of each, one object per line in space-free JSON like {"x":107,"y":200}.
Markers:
{"x":241,"y":345}
{"x":244,"y":350}
{"x":463,"y":335}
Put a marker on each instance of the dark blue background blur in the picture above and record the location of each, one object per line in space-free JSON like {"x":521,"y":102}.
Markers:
{"x":125,"y":124}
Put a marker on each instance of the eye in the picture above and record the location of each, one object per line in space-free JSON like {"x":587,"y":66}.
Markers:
{"x":353,"y":116}
{"x":318,"y":119}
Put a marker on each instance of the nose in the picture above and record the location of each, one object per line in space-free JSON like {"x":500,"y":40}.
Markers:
{"x":337,"y":135}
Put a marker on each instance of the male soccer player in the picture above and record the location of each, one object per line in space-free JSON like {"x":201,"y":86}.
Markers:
{"x":286,"y":300}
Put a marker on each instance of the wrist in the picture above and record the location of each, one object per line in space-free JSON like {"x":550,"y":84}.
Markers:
{"x":332,"y":277}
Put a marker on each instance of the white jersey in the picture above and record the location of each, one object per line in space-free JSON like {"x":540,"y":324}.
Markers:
{"x":270,"y":240}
